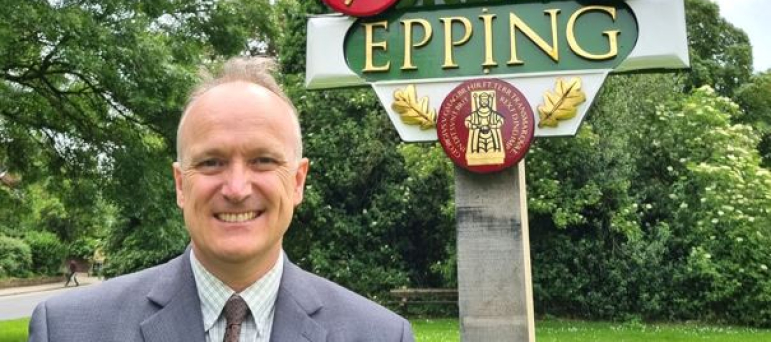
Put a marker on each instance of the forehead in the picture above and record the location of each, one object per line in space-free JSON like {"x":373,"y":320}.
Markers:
{"x":237,"y":113}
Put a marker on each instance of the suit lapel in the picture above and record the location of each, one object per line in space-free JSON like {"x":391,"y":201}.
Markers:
{"x":296,"y":303}
{"x":179,"y":317}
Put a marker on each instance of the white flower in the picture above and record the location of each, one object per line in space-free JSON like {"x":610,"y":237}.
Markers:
{"x":764,"y":267}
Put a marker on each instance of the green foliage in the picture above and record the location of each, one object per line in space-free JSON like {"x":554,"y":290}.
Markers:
{"x":429,"y":242}
{"x":83,"y":248}
{"x":48,"y":252}
{"x":374,"y":209}
{"x":90,"y":95}
{"x":350,"y":224}
{"x":719,"y":206}
{"x":692,"y":238}
{"x":755,"y":100}
{"x":15,"y":257}
{"x":721,"y":54}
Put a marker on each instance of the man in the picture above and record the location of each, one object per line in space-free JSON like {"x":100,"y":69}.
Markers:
{"x":239,"y":175}
{"x":73,"y":268}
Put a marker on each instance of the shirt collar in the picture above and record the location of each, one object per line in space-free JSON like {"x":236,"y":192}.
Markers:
{"x":260,"y":296}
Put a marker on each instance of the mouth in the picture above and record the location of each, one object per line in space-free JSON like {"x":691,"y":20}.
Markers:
{"x":238,"y":217}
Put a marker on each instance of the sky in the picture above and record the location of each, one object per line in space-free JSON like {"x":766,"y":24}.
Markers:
{"x":754,"y":18}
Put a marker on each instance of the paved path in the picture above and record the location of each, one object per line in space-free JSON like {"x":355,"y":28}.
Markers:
{"x":18,"y":302}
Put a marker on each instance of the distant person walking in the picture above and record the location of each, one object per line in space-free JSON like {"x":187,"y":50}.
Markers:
{"x":73,"y":267}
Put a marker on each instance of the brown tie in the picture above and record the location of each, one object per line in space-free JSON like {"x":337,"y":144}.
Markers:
{"x":235,"y":311}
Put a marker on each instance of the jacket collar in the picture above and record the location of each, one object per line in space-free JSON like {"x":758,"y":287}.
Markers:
{"x":179,"y":316}
{"x":296,"y":305}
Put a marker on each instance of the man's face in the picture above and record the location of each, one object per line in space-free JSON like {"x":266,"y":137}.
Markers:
{"x":484,"y":101}
{"x":239,"y":178}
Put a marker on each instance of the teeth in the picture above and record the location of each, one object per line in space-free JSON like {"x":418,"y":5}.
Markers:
{"x":237,"y":217}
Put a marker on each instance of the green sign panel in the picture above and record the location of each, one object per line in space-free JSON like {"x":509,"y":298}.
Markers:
{"x":498,"y":39}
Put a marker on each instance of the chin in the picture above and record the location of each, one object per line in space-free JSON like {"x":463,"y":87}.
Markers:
{"x":237,"y":251}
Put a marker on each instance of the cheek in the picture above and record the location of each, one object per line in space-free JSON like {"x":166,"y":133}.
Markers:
{"x":198,"y":190}
{"x":285,"y":182}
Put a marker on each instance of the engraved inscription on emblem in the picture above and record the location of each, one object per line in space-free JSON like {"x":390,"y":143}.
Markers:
{"x":485,"y":144}
{"x":485,"y":125}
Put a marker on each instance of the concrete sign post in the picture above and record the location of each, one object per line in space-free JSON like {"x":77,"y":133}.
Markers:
{"x":485,"y":77}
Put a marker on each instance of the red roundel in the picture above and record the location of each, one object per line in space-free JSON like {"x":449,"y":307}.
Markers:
{"x":485,"y":125}
{"x":360,"y":8}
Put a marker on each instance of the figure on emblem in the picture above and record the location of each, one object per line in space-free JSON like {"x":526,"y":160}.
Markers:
{"x":485,"y":143}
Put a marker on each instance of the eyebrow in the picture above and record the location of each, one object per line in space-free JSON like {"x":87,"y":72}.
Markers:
{"x":219,"y":152}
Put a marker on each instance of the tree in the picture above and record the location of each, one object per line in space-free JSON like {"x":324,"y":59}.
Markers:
{"x":721,"y":54}
{"x":718,"y":206}
{"x":374,"y":216}
{"x":755,"y":100}
{"x":91,"y":92}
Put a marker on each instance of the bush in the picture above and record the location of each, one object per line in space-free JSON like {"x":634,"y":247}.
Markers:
{"x":47,"y":252}
{"x":83,"y":248}
{"x":15,"y":257}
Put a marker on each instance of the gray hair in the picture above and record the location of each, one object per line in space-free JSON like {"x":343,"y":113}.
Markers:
{"x":254,"y":70}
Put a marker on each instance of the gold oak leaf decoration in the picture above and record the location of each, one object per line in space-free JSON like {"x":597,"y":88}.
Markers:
{"x":562,"y":104}
{"x":412,"y":111}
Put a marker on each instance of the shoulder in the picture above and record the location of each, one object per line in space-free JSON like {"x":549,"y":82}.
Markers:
{"x":349,"y":314}
{"x":95,"y":312}
{"x":110,"y":292}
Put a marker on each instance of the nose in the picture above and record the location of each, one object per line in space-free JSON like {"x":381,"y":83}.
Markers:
{"x":237,"y":187}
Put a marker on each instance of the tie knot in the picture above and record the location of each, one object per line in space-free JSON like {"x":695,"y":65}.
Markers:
{"x":235,"y":310}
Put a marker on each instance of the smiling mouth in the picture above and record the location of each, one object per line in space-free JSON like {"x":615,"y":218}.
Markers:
{"x":237,"y":217}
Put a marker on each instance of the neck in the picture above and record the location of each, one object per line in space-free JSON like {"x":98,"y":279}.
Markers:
{"x":241,"y":274}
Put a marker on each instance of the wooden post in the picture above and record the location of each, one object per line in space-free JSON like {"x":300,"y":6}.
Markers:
{"x":495,"y":294}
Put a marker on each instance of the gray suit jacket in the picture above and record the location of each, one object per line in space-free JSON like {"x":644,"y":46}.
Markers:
{"x":162,"y":304}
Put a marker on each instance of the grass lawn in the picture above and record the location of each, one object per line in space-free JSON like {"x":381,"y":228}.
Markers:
{"x":446,"y":330}
{"x":14,"y":331}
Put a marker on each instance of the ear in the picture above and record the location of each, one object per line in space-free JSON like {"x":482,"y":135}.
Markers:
{"x":178,"y":184}
{"x":299,"y":180}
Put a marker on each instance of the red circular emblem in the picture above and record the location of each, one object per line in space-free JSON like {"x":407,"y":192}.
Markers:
{"x":485,"y":125}
{"x":360,"y":8}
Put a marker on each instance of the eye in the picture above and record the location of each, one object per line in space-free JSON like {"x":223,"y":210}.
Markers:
{"x":264,"y":163}
{"x":210,"y":165}
{"x":265,"y":160}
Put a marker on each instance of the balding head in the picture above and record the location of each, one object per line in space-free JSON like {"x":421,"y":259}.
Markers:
{"x":256,"y":71}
